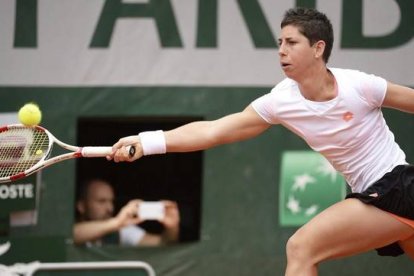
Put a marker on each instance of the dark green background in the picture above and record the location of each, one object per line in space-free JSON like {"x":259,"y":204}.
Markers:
{"x":240,"y":233}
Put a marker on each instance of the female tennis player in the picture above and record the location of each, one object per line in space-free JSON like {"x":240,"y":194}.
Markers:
{"x":338,"y":113}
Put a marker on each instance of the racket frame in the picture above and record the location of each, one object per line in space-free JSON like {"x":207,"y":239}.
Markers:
{"x":75,"y":152}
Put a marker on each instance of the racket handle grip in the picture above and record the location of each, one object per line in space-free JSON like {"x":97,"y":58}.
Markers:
{"x":96,"y":151}
{"x":103,"y":151}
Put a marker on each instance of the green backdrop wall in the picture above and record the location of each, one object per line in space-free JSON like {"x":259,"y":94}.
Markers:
{"x":240,"y":232}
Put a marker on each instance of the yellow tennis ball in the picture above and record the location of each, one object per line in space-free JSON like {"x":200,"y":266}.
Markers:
{"x":30,"y":114}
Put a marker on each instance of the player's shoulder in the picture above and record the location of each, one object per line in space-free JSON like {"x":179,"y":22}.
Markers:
{"x":344,"y":71}
{"x":285,"y":85}
{"x":349,"y":74}
{"x":352,"y":77}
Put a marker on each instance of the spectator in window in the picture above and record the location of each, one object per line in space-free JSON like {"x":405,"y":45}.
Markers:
{"x":97,"y":224}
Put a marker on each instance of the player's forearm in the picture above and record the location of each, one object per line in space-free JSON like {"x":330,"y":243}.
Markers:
{"x":93,"y":230}
{"x":191,"y":137}
{"x":207,"y":134}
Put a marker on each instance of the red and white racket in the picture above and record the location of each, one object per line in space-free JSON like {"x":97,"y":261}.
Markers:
{"x":25,"y":150}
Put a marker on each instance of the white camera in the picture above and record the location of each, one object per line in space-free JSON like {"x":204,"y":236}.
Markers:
{"x":151,"y":210}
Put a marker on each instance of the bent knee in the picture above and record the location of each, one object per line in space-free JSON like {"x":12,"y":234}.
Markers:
{"x":298,"y":248}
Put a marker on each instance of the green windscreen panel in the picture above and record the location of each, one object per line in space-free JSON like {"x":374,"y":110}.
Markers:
{"x":20,"y":195}
{"x":17,"y":197}
{"x":308,"y":185}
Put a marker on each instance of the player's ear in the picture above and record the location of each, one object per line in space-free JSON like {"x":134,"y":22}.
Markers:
{"x":319,"y":48}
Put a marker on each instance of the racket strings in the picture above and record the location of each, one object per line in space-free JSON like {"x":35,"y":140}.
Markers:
{"x":21,"y":149}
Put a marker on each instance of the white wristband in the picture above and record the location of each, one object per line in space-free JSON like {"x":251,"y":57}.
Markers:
{"x":153,"y":142}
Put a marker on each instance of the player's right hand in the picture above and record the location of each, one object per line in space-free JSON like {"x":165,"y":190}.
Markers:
{"x":120,"y":152}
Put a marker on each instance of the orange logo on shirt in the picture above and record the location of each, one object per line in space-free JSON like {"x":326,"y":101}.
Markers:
{"x":348,"y":116}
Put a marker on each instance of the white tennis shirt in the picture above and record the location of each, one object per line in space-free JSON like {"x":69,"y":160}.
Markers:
{"x":349,"y":130}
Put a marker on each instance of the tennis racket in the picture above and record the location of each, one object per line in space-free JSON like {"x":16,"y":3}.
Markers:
{"x":25,"y":150}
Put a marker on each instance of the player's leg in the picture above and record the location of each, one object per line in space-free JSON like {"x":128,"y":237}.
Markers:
{"x":346,"y":228}
{"x":408,"y":246}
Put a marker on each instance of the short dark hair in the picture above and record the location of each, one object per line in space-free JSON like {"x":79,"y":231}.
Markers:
{"x":313,"y":24}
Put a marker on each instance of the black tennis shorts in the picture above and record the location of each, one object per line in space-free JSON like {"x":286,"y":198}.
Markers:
{"x":395,"y":192}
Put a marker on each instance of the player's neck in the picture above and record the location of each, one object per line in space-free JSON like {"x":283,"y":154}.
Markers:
{"x":318,"y":85}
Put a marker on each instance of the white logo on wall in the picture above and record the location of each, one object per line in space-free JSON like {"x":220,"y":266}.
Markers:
{"x":308,"y":184}
{"x":14,"y":191}
{"x":4,"y":248}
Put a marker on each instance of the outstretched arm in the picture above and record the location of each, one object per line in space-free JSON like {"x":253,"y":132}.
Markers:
{"x":198,"y":135}
{"x":399,"y":97}
{"x":207,"y":134}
